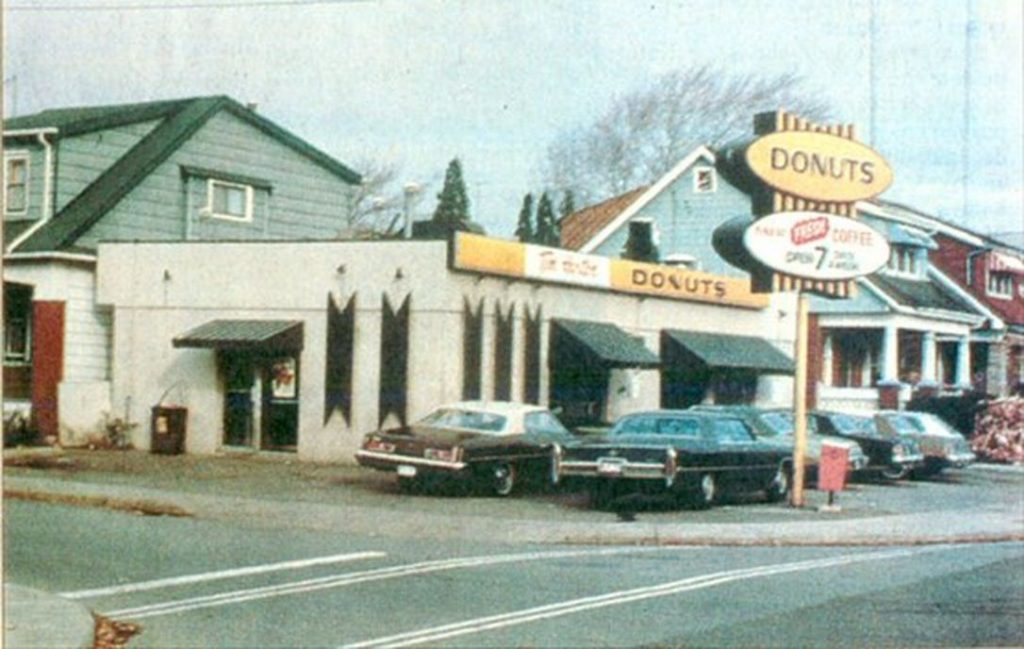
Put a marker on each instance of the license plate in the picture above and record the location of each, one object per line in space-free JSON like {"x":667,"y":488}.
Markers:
{"x":609,"y":468}
{"x":406,"y":471}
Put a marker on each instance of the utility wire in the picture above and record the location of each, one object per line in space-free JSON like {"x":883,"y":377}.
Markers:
{"x":221,"y":4}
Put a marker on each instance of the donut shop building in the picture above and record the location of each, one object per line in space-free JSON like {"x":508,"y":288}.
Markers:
{"x":306,"y":346}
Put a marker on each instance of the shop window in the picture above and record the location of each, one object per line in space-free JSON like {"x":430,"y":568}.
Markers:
{"x":394,"y":357}
{"x":704,"y":180}
{"x":340,"y":357}
{"x":531,"y":358}
{"x":503,"y":354}
{"x":472,"y":336}
{"x":17,"y":324}
{"x":1000,"y":284}
{"x":228,"y":200}
{"x":16,"y":184}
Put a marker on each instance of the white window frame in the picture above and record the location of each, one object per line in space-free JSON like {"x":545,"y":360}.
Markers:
{"x":999,"y":284}
{"x":212,"y":184}
{"x":697,"y":171}
{"x":901,"y":255}
{"x":14,"y":156}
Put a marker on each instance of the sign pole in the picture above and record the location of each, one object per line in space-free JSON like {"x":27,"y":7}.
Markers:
{"x":800,"y":402}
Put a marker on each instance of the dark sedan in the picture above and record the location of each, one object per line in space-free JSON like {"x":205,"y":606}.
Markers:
{"x":694,"y":456}
{"x":494,"y":444}
{"x":943,"y":446}
{"x":894,"y":457}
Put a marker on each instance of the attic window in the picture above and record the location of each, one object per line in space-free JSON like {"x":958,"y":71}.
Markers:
{"x":229,"y":200}
{"x":1000,"y":284}
{"x":16,"y":184}
{"x":704,"y":181}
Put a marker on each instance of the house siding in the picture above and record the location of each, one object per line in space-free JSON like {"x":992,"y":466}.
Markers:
{"x":685,"y":222}
{"x":83,"y":158}
{"x":307,"y":201}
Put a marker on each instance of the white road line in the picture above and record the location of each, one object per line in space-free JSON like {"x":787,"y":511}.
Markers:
{"x":444,"y":632}
{"x":348,"y":579}
{"x":220,"y":574}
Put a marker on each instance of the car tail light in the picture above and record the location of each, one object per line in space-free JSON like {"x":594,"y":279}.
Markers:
{"x":452,"y":454}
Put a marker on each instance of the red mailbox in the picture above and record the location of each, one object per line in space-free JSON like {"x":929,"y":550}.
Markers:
{"x":832,"y":468}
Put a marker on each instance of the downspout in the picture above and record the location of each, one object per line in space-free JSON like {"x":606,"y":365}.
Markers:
{"x":969,"y":268}
{"x":48,"y":175}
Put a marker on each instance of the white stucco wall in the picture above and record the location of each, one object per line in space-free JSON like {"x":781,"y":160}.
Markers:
{"x":159,"y":291}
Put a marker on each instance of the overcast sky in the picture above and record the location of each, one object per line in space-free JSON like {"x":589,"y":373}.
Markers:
{"x":418,"y":82}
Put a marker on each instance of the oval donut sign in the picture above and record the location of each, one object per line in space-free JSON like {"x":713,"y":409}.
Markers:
{"x":819,"y":166}
{"x":816,"y":245}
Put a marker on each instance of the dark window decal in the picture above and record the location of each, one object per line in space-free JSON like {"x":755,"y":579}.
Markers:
{"x":340,"y":355}
{"x":503,"y":353}
{"x":531,"y":357}
{"x":394,"y":361}
{"x":472,"y":337}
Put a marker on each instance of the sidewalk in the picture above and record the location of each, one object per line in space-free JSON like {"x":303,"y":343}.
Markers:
{"x":980,"y":504}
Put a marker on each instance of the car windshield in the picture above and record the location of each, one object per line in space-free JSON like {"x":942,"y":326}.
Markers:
{"x":654,"y":425}
{"x":852,"y":424}
{"x":780,"y":423}
{"x":543,"y":423}
{"x":731,"y":431}
{"x":934,"y":425}
{"x":485,"y":422}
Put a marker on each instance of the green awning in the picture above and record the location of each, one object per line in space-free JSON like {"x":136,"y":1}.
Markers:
{"x":601,"y":343}
{"x":732,"y":352}
{"x":254,"y":335}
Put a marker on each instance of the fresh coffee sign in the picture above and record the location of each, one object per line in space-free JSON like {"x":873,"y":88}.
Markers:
{"x":816,"y":245}
{"x":819,"y":166}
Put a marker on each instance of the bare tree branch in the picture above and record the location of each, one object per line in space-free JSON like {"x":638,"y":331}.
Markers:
{"x":644,"y":133}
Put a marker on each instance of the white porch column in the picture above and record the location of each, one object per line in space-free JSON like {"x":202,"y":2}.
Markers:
{"x":963,"y":362}
{"x":826,"y":360}
{"x":890,"y":354}
{"x":928,"y":375}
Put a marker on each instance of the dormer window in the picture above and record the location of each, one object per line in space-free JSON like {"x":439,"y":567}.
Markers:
{"x":16,"y":184}
{"x":903,"y":260}
{"x":1000,"y":284}
{"x":227,"y":200}
{"x":704,"y":181}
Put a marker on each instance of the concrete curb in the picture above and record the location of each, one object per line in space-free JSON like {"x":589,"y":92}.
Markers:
{"x":33,"y":618}
{"x":932,"y":527}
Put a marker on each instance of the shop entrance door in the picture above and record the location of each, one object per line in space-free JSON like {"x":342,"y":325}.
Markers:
{"x":239,"y":378}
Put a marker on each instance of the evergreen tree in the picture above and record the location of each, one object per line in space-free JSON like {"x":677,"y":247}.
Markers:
{"x":452,"y":202}
{"x":547,"y":228}
{"x":524,"y":229}
{"x":567,"y":206}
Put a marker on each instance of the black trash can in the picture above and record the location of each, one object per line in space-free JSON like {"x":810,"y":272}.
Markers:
{"x":167,"y":429}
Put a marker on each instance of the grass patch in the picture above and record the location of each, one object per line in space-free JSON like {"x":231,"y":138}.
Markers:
{"x":140,"y":507}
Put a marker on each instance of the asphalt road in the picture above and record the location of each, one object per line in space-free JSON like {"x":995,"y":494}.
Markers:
{"x":191,"y":582}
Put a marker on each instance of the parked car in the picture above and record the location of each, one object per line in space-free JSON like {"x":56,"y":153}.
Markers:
{"x":893,"y":457}
{"x":943,"y":446}
{"x":776,"y":426}
{"x":691,"y":455}
{"x":495,"y":444}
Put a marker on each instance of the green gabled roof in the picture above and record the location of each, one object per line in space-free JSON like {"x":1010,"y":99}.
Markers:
{"x":85,"y":119}
{"x":181,"y":119}
{"x":919,"y":294}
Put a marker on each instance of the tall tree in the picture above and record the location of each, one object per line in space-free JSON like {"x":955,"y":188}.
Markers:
{"x":547,"y":227}
{"x":568,"y":204}
{"x":375,"y":202}
{"x":524,"y":228}
{"x":452,"y":202}
{"x":644,"y":133}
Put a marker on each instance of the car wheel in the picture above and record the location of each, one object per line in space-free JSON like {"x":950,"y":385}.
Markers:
{"x":503,"y":478}
{"x":707,"y":491}
{"x":603,"y":493}
{"x":409,"y":485}
{"x":930,"y":469}
{"x":895,"y":472}
{"x":780,"y":486}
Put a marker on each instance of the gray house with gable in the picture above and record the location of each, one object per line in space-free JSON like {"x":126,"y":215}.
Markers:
{"x":204,"y":168}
